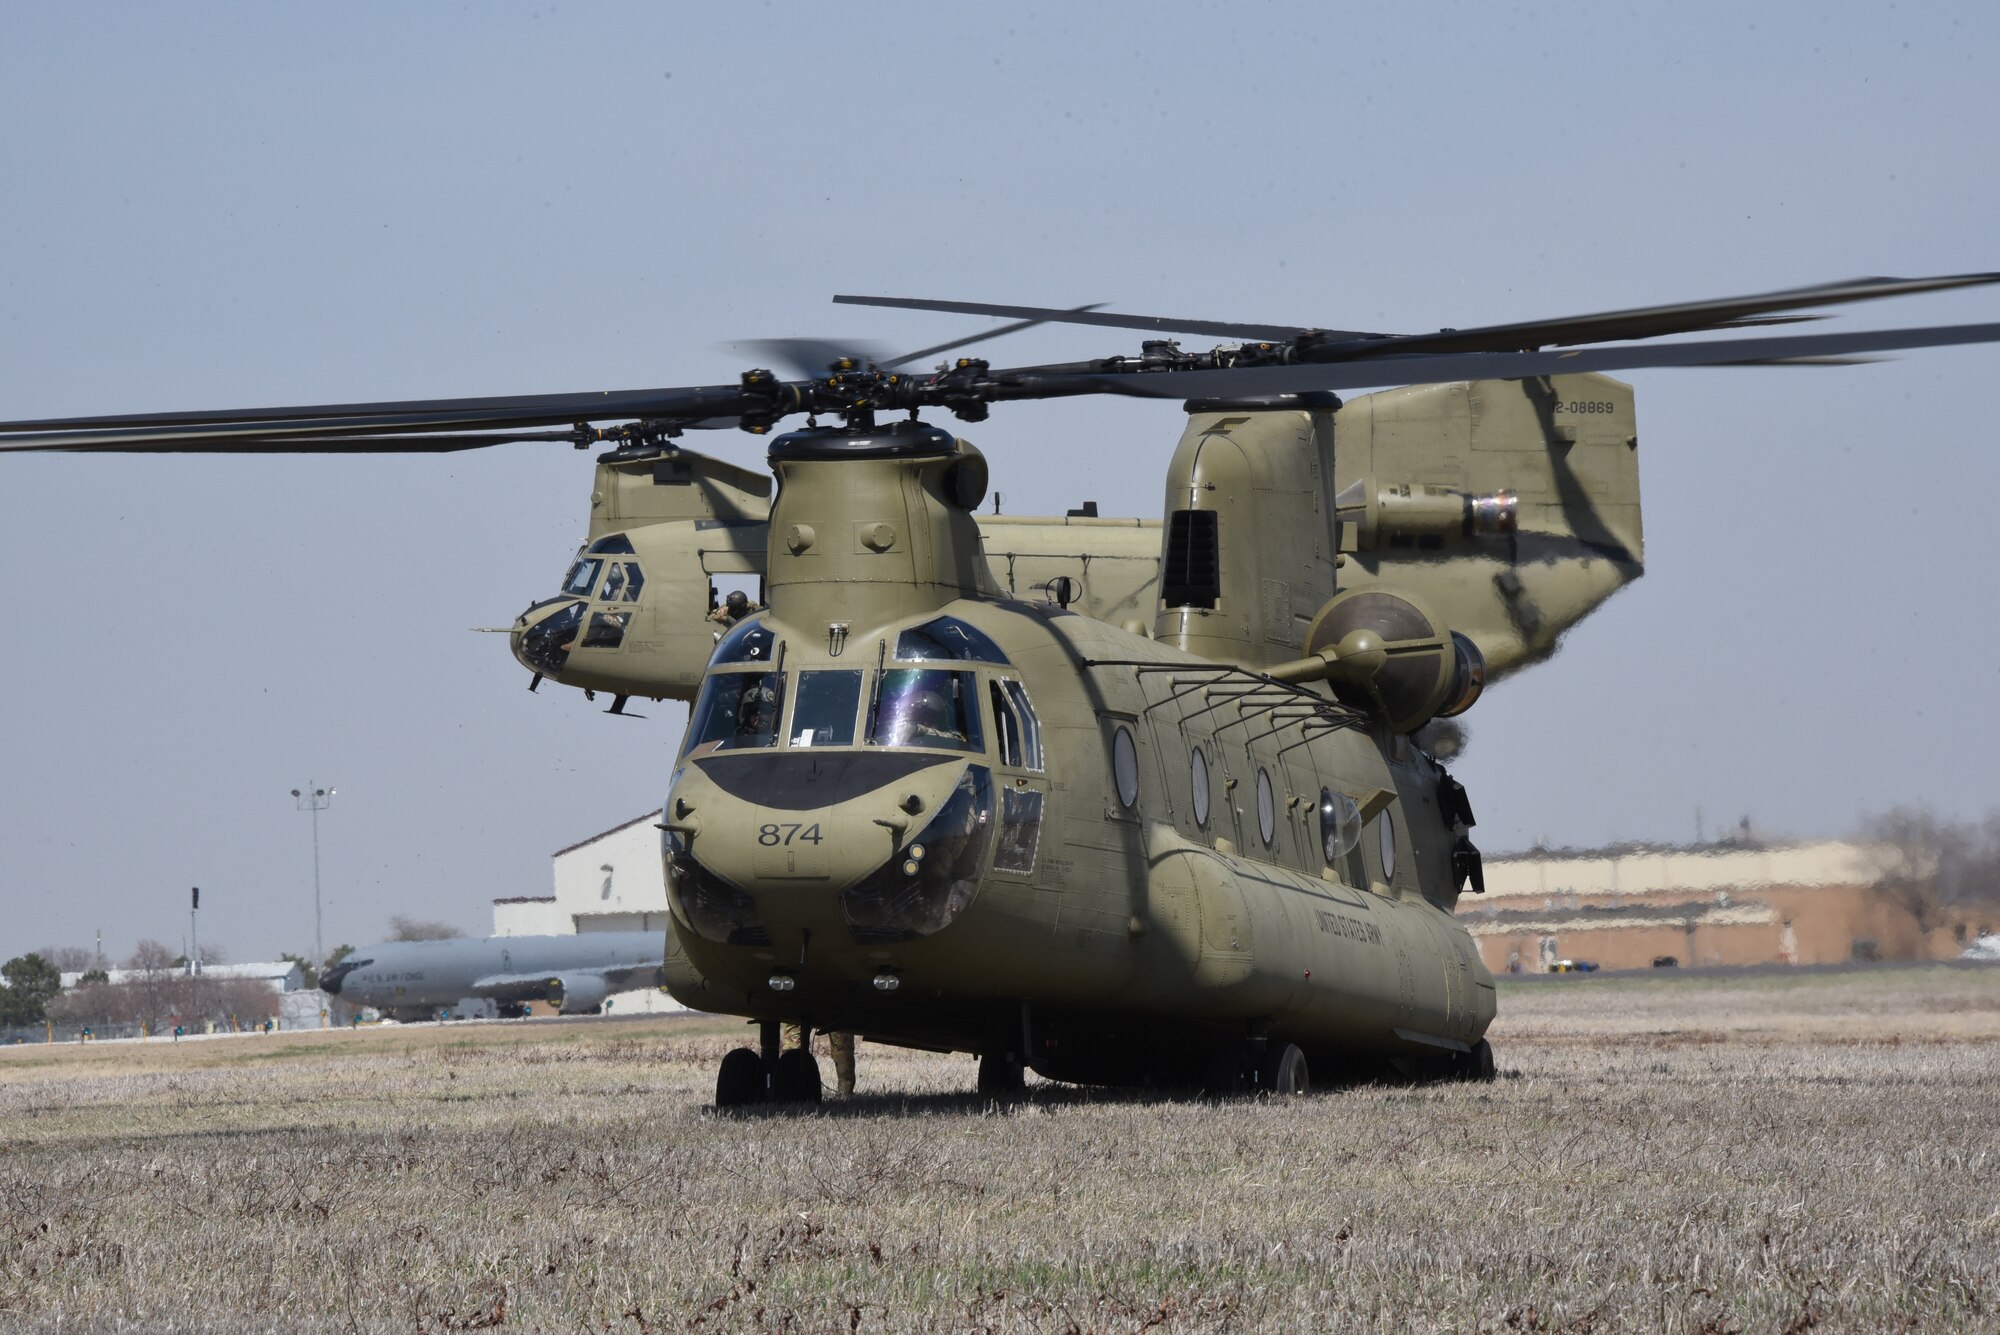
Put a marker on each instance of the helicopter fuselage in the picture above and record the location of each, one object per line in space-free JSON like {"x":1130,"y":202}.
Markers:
{"x":911,"y":806}
{"x":1104,"y":854}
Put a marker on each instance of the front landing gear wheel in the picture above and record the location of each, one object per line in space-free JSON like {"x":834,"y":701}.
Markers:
{"x":1476,"y":1065}
{"x":798,"y":1077}
{"x":1283,"y":1071}
{"x":739,"y":1081}
{"x":1000,"y":1074}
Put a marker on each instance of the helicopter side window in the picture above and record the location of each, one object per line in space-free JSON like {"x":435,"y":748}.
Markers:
{"x":614,"y":583}
{"x":582,"y":577}
{"x":1339,"y":825}
{"x":1020,"y":830}
{"x":1006,"y":727}
{"x":749,"y":642}
{"x":947,"y":639}
{"x":1125,"y":767}
{"x":611,"y":544}
{"x":825,"y":710}
{"x":607,"y":630}
{"x":634,"y":581}
{"x":926,"y":707}
{"x":1031,"y":727}
{"x":736,"y":711}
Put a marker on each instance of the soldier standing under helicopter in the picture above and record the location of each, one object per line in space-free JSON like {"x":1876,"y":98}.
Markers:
{"x":842,"y":1046}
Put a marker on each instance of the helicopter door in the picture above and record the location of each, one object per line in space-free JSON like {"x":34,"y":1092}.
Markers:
{"x":1022,"y":783}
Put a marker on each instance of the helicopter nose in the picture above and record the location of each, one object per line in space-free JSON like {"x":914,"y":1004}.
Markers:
{"x":544,"y":634}
{"x":800,"y":838}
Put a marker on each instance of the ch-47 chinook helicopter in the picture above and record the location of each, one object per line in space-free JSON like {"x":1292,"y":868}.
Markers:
{"x":1109,"y":800}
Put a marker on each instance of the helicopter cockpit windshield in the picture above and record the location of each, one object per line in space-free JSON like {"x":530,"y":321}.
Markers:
{"x":736,"y":711}
{"x":927,"y":707}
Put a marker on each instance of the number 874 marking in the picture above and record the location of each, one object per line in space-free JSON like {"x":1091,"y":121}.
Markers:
{"x":773,"y":835}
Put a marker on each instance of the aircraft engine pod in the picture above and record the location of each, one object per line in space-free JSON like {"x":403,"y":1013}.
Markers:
{"x":578,"y":993}
{"x":1389,"y":654}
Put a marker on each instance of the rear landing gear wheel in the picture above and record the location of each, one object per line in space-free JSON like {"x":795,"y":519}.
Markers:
{"x":1283,"y":1072}
{"x":1000,"y":1074}
{"x":1476,"y":1065}
{"x":798,"y":1077}
{"x":739,"y":1081}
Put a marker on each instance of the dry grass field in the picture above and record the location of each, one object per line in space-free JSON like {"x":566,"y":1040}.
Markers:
{"x":1761,"y":1154}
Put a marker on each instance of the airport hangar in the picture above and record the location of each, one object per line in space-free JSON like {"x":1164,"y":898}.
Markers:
{"x":610,"y":882}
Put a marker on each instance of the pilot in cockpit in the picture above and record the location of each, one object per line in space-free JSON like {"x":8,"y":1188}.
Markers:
{"x":930,"y":720}
{"x":757,"y":714}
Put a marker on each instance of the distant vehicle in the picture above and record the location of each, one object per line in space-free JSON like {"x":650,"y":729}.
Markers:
{"x":416,"y":980}
{"x":1666,"y":962}
{"x":1984,"y":948}
{"x":1572,"y":966}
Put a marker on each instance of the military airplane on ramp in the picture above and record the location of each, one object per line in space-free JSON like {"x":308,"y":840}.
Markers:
{"x":414,"y":980}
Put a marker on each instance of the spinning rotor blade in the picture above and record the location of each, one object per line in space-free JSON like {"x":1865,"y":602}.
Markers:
{"x":1784,"y":349}
{"x":1155,"y":324}
{"x":970,"y":339}
{"x":811,"y":358}
{"x":1686,"y":317}
{"x":1324,"y":345}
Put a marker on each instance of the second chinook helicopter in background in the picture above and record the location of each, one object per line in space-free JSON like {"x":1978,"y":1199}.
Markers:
{"x":1110,"y":800}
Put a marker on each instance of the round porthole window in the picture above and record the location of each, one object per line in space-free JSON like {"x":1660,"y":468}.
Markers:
{"x":1339,"y":825}
{"x":1386,"y":828}
{"x":1267,"y":807}
{"x":1125,"y":767}
{"x":1198,"y":780}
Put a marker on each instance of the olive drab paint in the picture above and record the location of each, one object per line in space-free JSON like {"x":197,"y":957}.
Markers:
{"x":1089,"y":937}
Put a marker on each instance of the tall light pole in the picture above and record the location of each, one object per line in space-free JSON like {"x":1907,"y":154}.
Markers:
{"x":315,"y":799}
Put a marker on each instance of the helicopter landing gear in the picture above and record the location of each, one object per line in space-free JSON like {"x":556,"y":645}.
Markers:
{"x":749,"y":1076}
{"x":739,"y":1081}
{"x":798,"y":1078}
{"x":1476,"y":1065}
{"x":1001,"y":1074}
{"x":1282,"y":1072}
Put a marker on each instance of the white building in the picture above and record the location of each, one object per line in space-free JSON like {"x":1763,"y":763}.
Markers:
{"x":610,"y":882}
{"x":278,"y":975}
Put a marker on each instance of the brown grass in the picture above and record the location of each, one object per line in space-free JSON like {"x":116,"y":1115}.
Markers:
{"x":1683,"y":1155}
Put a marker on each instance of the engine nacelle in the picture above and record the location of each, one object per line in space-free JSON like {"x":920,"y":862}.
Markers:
{"x":1391,"y":655}
{"x":578,"y":993}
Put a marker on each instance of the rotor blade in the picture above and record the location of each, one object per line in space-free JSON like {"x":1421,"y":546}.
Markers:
{"x":970,"y":339}
{"x":1648,"y":321}
{"x":284,"y":429}
{"x":1157,"y":324}
{"x":403,"y":444}
{"x":500,"y":410}
{"x":1257,"y":381}
{"x":811,"y":358}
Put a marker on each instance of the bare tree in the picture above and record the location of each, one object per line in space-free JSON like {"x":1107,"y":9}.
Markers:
{"x":1927,"y":865}
{"x":69,"y":959}
{"x":403,"y":928}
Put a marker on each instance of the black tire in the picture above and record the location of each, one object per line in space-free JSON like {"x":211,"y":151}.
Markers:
{"x":798,"y":1077}
{"x":1283,"y":1073}
{"x":739,"y":1081}
{"x":1479,"y":1063}
{"x":1001,"y":1074}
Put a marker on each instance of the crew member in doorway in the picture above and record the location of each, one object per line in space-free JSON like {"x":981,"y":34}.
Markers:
{"x":734,"y":608}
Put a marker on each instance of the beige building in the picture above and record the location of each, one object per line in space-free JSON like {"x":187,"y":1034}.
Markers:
{"x":1633,"y":906}
{"x":610,"y":882}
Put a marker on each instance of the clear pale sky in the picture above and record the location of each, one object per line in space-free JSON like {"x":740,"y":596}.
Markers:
{"x":211,"y":206}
